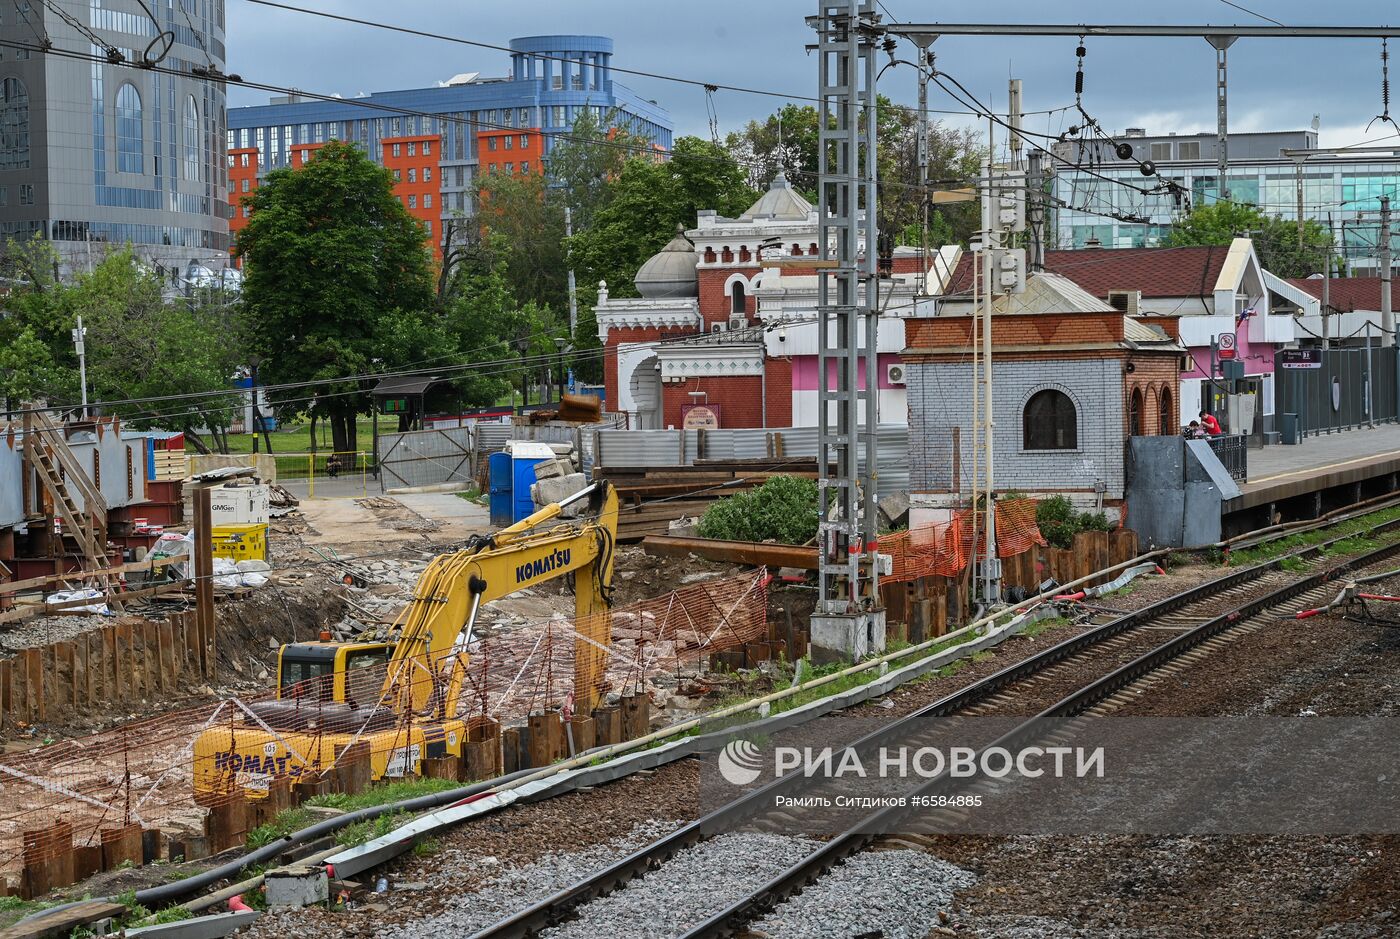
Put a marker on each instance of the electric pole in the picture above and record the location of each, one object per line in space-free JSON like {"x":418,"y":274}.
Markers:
{"x":1222,"y":122}
{"x":1035,"y":208}
{"x":849,"y":621}
{"x":1387,"y":314}
{"x":1327,"y":287}
{"x":573,"y":293}
{"x":80,"y":345}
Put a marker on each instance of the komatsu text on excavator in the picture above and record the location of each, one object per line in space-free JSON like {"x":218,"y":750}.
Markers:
{"x":400,"y":696}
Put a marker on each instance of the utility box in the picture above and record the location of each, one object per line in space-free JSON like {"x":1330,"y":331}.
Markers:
{"x":1291,"y":431}
{"x":498,"y":476}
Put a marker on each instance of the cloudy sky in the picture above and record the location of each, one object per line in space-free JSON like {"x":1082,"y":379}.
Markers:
{"x":1159,"y":84}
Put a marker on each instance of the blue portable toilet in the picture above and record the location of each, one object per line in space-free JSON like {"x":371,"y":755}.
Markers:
{"x":525,"y":456}
{"x":499,"y":488}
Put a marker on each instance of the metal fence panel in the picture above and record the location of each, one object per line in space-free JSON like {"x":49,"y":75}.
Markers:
{"x":426,"y":458}
{"x":1335,"y":397}
{"x":491,"y":436}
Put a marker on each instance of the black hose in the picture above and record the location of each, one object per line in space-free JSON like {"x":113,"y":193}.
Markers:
{"x":164,"y":893}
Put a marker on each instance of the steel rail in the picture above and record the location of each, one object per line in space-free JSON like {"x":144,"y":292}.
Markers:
{"x":734,"y":919}
{"x":559,"y":907}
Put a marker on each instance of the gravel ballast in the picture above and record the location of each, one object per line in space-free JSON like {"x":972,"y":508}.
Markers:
{"x":897,"y":894}
{"x":691,"y":887}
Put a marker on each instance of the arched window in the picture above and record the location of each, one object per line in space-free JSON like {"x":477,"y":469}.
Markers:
{"x":14,"y":125}
{"x":1135,"y":413}
{"x":191,"y":121}
{"x":130,"y":141}
{"x":1167,"y":418}
{"x":736,"y":301}
{"x":1050,"y":422}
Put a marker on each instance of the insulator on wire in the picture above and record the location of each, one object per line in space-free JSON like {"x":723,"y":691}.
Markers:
{"x":1079,"y":83}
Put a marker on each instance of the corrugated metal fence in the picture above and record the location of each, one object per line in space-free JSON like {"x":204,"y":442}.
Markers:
{"x":683,"y":447}
{"x":453,"y":454}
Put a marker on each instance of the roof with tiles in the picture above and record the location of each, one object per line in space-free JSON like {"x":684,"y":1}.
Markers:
{"x":1157,"y":272}
{"x":1350,"y":293}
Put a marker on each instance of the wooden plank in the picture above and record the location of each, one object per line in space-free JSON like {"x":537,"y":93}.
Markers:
{"x":34,"y":671}
{"x":8,"y":699}
{"x":37,"y":609}
{"x":131,"y":567}
{"x":66,"y":672}
{"x":169,"y":664}
{"x":737,"y":552}
{"x":63,"y":922}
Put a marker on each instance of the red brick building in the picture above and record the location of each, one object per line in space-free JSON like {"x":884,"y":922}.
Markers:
{"x":1073,"y":378}
{"x":727,"y":319}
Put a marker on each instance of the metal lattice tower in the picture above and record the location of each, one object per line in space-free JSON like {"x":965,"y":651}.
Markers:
{"x":846,"y":36}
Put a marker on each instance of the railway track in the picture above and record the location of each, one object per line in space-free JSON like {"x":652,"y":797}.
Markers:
{"x":1097,"y":669}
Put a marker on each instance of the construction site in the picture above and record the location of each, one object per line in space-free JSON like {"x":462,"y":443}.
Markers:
{"x":876,"y":591}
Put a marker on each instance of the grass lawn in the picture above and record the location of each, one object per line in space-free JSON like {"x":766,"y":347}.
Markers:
{"x":296,"y":438}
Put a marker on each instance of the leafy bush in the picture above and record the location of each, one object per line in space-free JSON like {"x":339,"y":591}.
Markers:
{"x":1056,"y":518}
{"x":783,"y":509}
{"x":1059,"y":522}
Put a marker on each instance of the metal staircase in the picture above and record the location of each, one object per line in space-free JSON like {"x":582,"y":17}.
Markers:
{"x":46,"y":449}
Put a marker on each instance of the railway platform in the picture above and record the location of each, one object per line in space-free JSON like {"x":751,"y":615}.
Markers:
{"x":1288,"y":483}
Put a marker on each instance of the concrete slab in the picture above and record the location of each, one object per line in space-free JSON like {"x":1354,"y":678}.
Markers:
{"x":340,"y":522}
{"x":1280,"y":472}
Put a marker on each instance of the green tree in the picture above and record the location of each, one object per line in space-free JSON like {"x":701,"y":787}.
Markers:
{"x":522,"y":234}
{"x":37,"y":361}
{"x":337,"y":282}
{"x":1275,"y":238}
{"x":485,"y":321}
{"x":141,"y":346}
{"x":583,"y":165}
{"x":787,"y":141}
{"x":649,"y":198}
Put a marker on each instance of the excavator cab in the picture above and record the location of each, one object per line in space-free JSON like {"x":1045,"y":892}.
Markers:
{"x":345,"y":672}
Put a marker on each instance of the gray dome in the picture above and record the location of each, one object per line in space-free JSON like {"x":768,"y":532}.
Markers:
{"x":671,"y":271}
{"x":780,"y":202}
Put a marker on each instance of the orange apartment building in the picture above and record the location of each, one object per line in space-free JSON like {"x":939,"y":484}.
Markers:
{"x":414,"y":161}
{"x":242,"y":183}
{"x":513,"y":151}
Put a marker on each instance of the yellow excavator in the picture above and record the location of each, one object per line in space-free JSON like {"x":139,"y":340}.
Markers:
{"x":401,"y":696}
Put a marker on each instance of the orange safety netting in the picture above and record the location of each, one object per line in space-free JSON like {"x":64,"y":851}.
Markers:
{"x":1017,"y":531}
{"x":943,"y":549}
{"x":930,"y":550}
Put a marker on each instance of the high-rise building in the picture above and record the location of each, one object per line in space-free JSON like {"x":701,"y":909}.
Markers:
{"x":104,"y":152}
{"x":1105,"y":201}
{"x":439,"y":139}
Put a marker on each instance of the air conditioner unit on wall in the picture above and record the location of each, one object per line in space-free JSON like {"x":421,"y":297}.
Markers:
{"x":1129,"y":301}
{"x":738,"y":322}
{"x":894,"y":374}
